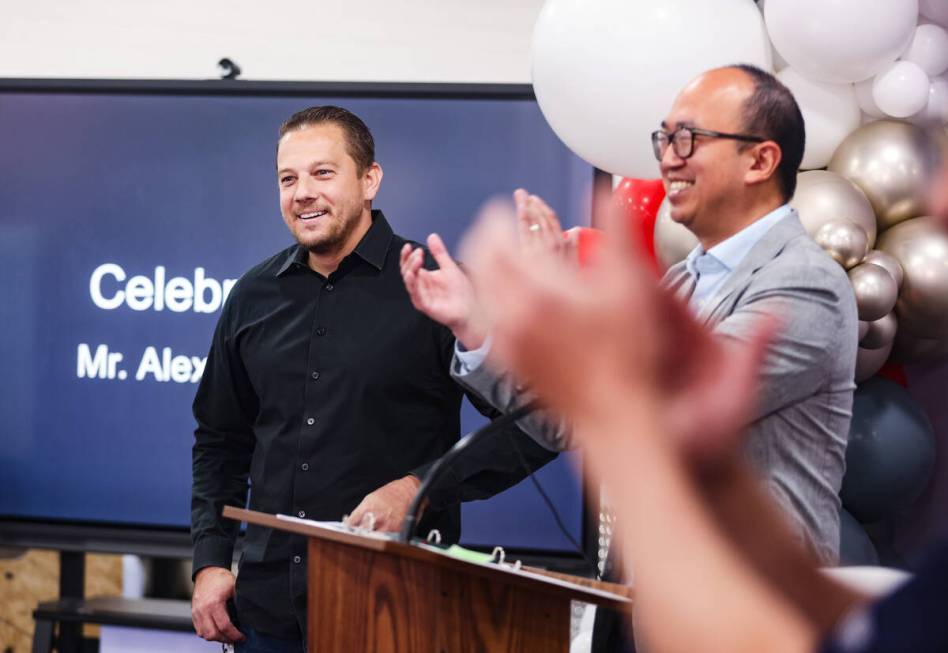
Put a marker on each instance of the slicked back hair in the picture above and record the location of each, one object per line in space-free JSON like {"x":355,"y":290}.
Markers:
{"x":772,"y":113}
{"x":359,"y":142}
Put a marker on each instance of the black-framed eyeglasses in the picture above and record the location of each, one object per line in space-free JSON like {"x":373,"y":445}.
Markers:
{"x":682,"y":140}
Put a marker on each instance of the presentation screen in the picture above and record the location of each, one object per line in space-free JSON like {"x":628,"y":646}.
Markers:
{"x":127,"y":214}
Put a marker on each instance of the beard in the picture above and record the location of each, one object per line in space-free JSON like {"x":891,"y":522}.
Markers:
{"x":335,"y":237}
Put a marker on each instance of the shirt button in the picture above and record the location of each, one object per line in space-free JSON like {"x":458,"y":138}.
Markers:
{"x":315,"y":375}
{"x":305,"y":467}
{"x":301,"y":513}
{"x":329,"y":287}
{"x":321,"y":331}
{"x":311,"y":421}
{"x":297,"y":559}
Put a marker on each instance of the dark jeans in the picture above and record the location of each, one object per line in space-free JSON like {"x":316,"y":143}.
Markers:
{"x":257,"y":642}
{"x":611,"y":632}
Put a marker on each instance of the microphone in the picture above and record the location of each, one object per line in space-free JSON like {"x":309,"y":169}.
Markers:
{"x":443,"y":464}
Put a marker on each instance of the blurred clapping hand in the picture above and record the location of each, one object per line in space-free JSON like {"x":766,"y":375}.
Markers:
{"x":586,"y":339}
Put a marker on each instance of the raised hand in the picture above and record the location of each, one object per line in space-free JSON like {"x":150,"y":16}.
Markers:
{"x":538,"y":228}
{"x":446,"y":294}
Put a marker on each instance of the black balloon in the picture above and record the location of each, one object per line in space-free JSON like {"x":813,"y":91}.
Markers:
{"x":855,"y":547}
{"x":891,"y":452}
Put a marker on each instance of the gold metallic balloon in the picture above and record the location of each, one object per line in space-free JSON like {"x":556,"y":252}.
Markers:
{"x":887,"y":261}
{"x":822,"y":196}
{"x":845,"y":241}
{"x":921,"y":247}
{"x":673,"y":242}
{"x":870,"y":361}
{"x":892,"y":162}
{"x":880,"y":333}
{"x":875,"y":290}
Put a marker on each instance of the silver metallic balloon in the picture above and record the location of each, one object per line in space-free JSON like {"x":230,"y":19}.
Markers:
{"x":870,"y":361}
{"x":881,"y":332}
{"x":892,"y":162}
{"x":822,"y":196}
{"x":921,"y":246}
{"x":673,"y":242}
{"x":875,"y":290}
{"x":863,"y":329}
{"x":887,"y":261}
{"x":845,"y":241}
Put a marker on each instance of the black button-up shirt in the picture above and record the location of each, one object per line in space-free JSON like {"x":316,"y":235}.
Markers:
{"x":320,"y":390}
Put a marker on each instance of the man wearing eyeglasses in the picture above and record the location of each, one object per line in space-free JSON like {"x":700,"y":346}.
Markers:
{"x":729,"y":151}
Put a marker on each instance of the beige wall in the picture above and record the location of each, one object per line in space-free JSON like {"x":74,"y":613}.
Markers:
{"x":364,"y":40}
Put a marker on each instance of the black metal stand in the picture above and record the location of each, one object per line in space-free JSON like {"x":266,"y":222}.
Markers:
{"x":72,"y":581}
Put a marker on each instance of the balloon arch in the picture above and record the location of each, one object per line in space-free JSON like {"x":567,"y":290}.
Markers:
{"x":874,"y":96}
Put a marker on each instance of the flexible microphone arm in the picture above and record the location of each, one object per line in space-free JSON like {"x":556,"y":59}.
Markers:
{"x":443,"y":464}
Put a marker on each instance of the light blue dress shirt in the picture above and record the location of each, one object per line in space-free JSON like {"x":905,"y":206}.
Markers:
{"x":711,"y":268}
{"x":471,"y":359}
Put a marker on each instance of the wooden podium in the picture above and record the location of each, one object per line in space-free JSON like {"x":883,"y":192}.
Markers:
{"x":367,"y":593}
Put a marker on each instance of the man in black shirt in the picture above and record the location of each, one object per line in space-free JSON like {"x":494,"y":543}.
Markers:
{"x":323,"y":383}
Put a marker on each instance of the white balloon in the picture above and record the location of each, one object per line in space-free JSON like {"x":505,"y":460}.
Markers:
{"x":599,"y":84}
{"x":830,"y":113}
{"x":779,"y":62}
{"x":901,"y":90}
{"x":840,"y":41}
{"x":929,"y":49}
{"x":936,"y":109}
{"x":865,"y":100}
{"x":936,"y":10}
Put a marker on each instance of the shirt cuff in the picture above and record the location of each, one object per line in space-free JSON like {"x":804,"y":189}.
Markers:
{"x":470,"y":360}
{"x":212,"y":551}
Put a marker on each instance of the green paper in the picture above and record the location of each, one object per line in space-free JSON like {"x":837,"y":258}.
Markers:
{"x":468,"y":555}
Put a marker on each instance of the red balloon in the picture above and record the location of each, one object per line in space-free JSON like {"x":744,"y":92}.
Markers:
{"x":584,"y":241}
{"x":894,"y":372}
{"x":639,"y":200}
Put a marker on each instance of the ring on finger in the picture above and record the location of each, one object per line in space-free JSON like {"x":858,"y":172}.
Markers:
{"x":534,"y":227}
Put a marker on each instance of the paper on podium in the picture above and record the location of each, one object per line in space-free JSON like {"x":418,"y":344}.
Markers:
{"x":340,"y":527}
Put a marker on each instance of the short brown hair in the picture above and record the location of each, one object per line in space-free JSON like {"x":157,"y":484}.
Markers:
{"x":771,"y":112}
{"x":359,"y":141}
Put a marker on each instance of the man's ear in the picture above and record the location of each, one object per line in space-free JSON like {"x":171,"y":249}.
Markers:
{"x":371,"y":181}
{"x":764,"y":159}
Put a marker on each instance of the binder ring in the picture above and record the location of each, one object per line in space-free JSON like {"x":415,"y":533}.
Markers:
{"x":498,"y":555}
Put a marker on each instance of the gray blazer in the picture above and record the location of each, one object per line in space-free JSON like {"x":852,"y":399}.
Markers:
{"x":798,"y":437}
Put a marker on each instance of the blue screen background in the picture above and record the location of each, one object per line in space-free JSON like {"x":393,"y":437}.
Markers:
{"x":188,"y":181}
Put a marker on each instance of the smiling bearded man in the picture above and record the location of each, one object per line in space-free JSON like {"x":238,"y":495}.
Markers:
{"x":325,"y":389}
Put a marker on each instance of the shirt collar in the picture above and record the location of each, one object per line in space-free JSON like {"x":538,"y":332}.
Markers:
{"x":731,"y":252}
{"x":374,"y":244}
{"x":372,"y":248}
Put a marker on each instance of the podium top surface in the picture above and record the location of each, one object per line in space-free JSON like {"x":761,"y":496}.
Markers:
{"x":574,"y":588}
